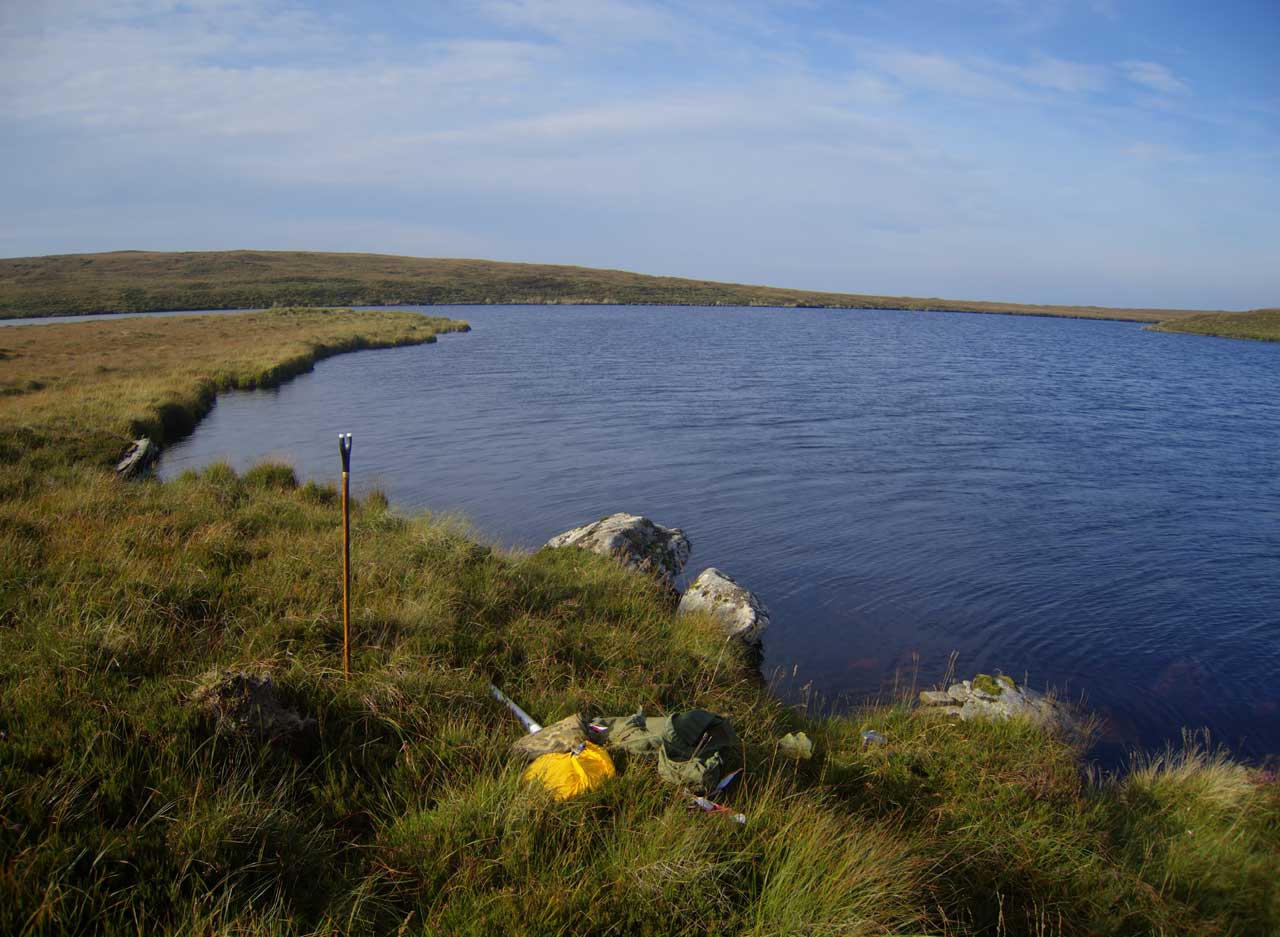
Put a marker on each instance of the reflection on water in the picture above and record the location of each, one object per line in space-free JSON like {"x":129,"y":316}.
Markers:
{"x":1085,"y":503}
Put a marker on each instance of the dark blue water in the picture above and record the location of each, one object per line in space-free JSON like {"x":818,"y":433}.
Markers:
{"x":1086,"y":504}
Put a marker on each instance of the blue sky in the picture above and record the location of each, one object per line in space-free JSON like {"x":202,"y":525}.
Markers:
{"x":1106,"y":152}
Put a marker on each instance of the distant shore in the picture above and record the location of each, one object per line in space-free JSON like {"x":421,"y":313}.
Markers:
{"x":147,"y":281}
{"x":1261,"y":325}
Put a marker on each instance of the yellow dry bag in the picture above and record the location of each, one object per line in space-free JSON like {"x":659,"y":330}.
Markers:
{"x":567,"y":774}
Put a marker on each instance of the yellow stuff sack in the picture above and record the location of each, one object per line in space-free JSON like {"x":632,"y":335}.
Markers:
{"x":567,"y":774}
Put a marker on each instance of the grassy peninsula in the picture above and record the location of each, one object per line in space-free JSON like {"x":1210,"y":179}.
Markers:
{"x":1260,"y":325}
{"x":122,"y":811}
{"x":143,"y":281}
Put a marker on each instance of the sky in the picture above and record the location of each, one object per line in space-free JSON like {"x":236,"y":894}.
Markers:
{"x":1108,"y":152}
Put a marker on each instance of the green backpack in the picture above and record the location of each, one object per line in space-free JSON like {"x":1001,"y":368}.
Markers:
{"x":695,"y":749}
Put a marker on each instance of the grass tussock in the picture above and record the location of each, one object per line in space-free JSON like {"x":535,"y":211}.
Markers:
{"x":142,"y":281}
{"x":123,"y":810}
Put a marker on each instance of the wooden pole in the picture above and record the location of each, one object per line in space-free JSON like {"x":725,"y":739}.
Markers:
{"x":344,"y":446}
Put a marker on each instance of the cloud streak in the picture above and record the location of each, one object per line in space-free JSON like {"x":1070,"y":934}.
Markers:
{"x":1153,"y":75}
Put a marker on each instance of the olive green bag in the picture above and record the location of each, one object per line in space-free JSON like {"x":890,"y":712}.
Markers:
{"x":695,"y":749}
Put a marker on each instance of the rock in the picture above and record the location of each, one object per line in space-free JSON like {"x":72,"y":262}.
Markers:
{"x":999,"y":697}
{"x":636,"y":541}
{"x":138,"y":458}
{"x":738,"y":610}
{"x":872,"y":737}
{"x":246,"y":706}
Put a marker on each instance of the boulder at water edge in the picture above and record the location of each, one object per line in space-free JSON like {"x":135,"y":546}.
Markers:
{"x":138,"y":459}
{"x":739,"y":611}
{"x":635,"y":541}
{"x":999,"y":697}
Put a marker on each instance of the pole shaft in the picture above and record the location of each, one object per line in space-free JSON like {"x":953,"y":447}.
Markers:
{"x":346,"y":580}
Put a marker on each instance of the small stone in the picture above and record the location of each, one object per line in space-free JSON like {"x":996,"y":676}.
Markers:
{"x":739,"y":611}
{"x":872,"y":737}
{"x":635,"y":541}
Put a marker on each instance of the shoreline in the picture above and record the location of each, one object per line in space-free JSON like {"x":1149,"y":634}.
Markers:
{"x":138,"y":281}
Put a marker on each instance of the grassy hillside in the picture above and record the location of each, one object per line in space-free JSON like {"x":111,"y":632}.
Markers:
{"x":1260,"y":325}
{"x":139,"y":281}
{"x":123,"y":810}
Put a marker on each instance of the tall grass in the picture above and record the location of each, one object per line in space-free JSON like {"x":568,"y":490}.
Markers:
{"x":123,"y":810}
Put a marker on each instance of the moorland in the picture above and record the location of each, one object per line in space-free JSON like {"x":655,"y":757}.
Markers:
{"x":125,"y":809}
{"x":148,"y":281}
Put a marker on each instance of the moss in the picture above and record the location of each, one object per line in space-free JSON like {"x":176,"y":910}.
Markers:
{"x":985,"y":683}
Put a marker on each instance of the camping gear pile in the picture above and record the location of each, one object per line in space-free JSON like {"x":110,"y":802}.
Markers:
{"x":696,"y":750}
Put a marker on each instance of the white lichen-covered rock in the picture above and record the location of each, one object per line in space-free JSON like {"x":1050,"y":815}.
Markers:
{"x":739,"y":611}
{"x":998,"y":697}
{"x":635,"y":541}
{"x":140,"y":457}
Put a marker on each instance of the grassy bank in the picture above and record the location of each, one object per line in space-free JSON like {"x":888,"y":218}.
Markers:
{"x":122,"y":811}
{"x":140,"y":281}
{"x":76,"y":393}
{"x":1259,"y":325}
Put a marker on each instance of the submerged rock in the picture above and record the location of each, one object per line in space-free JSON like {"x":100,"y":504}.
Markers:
{"x":997,"y":698}
{"x":140,"y":457}
{"x":739,"y":611}
{"x":244,"y":706}
{"x":635,"y":541}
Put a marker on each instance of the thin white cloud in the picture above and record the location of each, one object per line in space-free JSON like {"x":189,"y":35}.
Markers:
{"x":945,"y":74}
{"x":1150,"y":152}
{"x":1153,"y":75}
{"x":599,"y":20}
{"x":1061,"y":75}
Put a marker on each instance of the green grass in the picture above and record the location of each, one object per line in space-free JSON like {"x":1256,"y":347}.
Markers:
{"x":140,"y":281}
{"x":1260,"y":325}
{"x":123,"y":812}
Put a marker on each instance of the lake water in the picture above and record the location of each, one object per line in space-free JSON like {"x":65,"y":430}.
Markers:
{"x":1086,"y":504}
